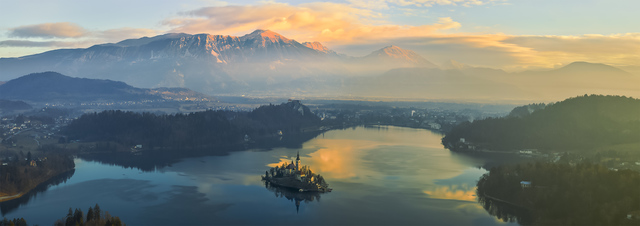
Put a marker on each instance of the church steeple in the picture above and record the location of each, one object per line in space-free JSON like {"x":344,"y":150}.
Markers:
{"x":298,"y":161}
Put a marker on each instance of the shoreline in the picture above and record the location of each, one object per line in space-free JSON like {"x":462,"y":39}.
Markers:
{"x":16,"y":196}
{"x":11,"y":197}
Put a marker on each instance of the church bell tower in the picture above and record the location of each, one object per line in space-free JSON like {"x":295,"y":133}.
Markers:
{"x":298,"y":161}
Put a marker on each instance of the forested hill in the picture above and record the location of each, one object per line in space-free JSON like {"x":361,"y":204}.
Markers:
{"x":193,"y":130}
{"x":584,"y":122}
{"x":560,"y":194}
{"x":53,"y":86}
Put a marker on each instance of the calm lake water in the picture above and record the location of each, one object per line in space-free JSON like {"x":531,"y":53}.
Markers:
{"x":380,"y":175}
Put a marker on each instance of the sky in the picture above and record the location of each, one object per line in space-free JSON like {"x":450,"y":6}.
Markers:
{"x":507,"y":34}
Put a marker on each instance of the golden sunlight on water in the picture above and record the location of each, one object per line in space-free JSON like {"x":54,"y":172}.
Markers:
{"x":337,"y":159}
{"x":409,"y":157}
{"x":455,"y":192}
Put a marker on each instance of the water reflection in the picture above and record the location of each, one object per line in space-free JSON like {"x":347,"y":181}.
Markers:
{"x":505,"y":211}
{"x":462,"y":192}
{"x":335,"y":159}
{"x":293,"y":195}
{"x":380,"y":176}
{"x":149,"y":161}
{"x":7,"y":207}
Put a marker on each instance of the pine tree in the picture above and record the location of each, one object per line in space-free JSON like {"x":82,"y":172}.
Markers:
{"x":96,"y":212}
{"x":90,"y":214}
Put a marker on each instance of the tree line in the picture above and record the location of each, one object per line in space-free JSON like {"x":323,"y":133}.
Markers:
{"x":584,"y":122}
{"x":21,"y":175}
{"x":94,"y":217}
{"x":561,"y":194}
{"x":193,"y":129}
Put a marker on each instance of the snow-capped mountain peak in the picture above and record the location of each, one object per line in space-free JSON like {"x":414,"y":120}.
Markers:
{"x":265,"y":35}
{"x":317,"y":46}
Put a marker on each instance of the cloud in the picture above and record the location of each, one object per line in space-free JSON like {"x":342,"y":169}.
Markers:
{"x":48,"y":30}
{"x":527,"y":51}
{"x":386,"y":4}
{"x":357,"y":28}
{"x":60,"y":32}
{"x":330,"y":23}
{"x":515,"y":52}
{"x":25,"y":43}
{"x":615,"y":49}
{"x":352,"y":27}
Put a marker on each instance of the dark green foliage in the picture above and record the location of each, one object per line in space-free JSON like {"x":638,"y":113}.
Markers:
{"x":94,"y":218}
{"x":70,"y":221}
{"x":190,"y":130}
{"x":55,"y":86}
{"x":97,"y":213}
{"x":525,"y":110}
{"x":577,"y":123}
{"x":14,"y":222}
{"x":90,"y":215}
{"x":585,"y":194}
{"x":19,"y":176}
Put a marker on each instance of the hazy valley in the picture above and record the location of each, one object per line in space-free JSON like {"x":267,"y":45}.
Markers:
{"x":264,"y":63}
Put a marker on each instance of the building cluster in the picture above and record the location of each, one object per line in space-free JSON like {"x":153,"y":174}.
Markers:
{"x":433,"y":119}
{"x":11,"y":127}
{"x":295,"y":176}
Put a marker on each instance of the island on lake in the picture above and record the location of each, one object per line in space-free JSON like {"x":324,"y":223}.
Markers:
{"x":294,"y":176}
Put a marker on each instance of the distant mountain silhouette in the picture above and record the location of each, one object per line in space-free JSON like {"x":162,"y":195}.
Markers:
{"x":53,"y":86}
{"x":576,"y":79}
{"x":9,"y":106}
{"x":455,"y":81}
{"x":262,"y":61}
{"x":397,"y":56}
{"x":267,"y":63}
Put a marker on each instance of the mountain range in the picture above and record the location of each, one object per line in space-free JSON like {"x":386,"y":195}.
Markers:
{"x":267,"y":63}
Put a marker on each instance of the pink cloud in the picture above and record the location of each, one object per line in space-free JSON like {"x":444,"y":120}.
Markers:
{"x":48,"y":30}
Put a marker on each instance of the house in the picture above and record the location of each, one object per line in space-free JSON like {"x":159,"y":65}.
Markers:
{"x":525,"y":184}
{"x":434,"y":125}
{"x":634,"y":215}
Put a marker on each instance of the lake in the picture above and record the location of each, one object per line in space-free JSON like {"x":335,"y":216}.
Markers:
{"x":379,"y":175}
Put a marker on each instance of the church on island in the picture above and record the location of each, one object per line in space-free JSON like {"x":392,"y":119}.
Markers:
{"x":294,"y":176}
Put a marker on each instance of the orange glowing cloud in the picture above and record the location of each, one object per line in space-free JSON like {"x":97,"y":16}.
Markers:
{"x":318,"y":21}
{"x":347,"y":24}
{"x":385,"y":4}
{"x":517,"y":52}
{"x":48,"y":30}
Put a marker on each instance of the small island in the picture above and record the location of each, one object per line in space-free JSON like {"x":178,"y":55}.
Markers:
{"x":294,"y":176}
